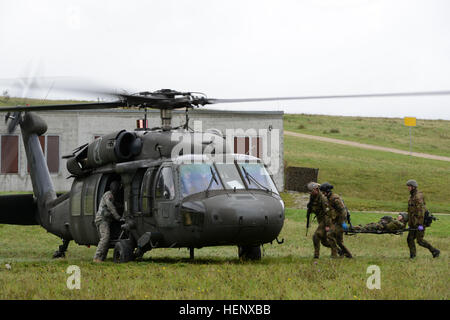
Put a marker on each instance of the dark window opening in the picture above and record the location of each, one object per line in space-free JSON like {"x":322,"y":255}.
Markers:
{"x":10,"y":154}
{"x":248,"y":145}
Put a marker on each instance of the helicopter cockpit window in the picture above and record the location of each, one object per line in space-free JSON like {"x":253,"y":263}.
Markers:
{"x":230,"y":176}
{"x":196,"y":178}
{"x":165,"y":188}
{"x":257,"y":176}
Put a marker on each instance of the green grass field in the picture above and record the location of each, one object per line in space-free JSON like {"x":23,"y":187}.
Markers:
{"x":429,"y":136}
{"x":286,"y":271}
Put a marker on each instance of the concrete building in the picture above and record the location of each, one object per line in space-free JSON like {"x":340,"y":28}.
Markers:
{"x":254,"y":133}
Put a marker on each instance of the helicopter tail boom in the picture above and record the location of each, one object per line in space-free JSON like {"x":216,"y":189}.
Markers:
{"x":33,"y":126}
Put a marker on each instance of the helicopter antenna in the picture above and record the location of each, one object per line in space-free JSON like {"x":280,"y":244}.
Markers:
{"x":145,"y":119}
{"x":186,"y":125}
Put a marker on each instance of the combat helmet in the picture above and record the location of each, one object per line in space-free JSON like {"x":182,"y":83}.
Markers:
{"x":312,"y":185}
{"x":326,"y":187}
{"x":404,"y":217}
{"x":386,"y":220}
{"x":412,"y":183}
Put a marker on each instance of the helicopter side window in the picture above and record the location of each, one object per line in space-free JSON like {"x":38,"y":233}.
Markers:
{"x":230,"y":176}
{"x":197,"y":178}
{"x":257,"y":176}
{"x":146,"y":191}
{"x":75,"y":202}
{"x":165,"y":188}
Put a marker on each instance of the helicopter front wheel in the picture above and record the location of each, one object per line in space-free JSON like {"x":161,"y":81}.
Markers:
{"x":249,"y":252}
{"x":123,"y":251}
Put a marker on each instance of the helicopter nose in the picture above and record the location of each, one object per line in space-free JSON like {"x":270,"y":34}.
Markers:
{"x":247,"y":218}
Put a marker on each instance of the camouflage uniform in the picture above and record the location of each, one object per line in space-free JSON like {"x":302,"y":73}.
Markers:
{"x":319,"y":205}
{"x":395,"y":225}
{"x":103,"y":218}
{"x":335,"y":235}
{"x":387,"y":223}
{"x":416,"y":212}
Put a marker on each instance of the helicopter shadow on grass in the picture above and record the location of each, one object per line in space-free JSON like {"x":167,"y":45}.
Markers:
{"x":196,"y":261}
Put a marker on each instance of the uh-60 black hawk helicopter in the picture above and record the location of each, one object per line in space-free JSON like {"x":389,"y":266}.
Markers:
{"x":189,"y":200}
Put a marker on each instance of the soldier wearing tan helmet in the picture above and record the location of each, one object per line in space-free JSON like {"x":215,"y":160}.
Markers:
{"x":318,"y":205}
{"x":416,"y":213}
{"x":338,"y":215}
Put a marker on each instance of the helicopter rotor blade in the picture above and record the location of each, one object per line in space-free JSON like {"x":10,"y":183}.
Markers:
{"x":70,"y":106}
{"x":369,"y":95}
{"x":125,"y":101}
{"x":74,"y":85}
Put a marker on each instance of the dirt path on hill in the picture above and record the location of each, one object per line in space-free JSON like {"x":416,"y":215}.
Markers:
{"x":366,"y":146}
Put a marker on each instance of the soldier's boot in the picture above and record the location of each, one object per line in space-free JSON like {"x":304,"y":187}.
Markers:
{"x":316,"y":253}
{"x":422,"y":242}
{"x":316,"y":243}
{"x":412,"y":252}
{"x":346,"y":252}
{"x":436,"y":253}
{"x":139,"y":253}
{"x":97,"y":260}
{"x":412,"y":247}
{"x":334,"y":253}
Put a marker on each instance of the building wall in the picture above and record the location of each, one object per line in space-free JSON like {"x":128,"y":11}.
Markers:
{"x":76,"y":128}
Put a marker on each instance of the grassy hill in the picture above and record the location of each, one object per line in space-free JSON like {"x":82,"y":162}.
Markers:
{"x":429,"y":136}
{"x":368,"y":179}
{"x":13,"y":101}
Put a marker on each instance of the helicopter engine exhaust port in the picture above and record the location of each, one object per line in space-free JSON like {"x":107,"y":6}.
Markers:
{"x":115,"y":147}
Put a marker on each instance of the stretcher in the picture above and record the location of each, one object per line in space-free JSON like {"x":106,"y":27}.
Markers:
{"x":352,"y":232}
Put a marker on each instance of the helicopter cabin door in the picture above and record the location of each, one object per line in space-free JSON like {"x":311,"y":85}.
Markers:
{"x":86,"y":195}
{"x":165,"y":199}
{"x":82,"y":209}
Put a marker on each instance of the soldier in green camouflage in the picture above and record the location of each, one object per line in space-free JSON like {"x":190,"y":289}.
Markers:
{"x":386,"y":223}
{"x":416,"y":213}
{"x":318,"y":205}
{"x":105,"y":214}
{"x":338,"y":215}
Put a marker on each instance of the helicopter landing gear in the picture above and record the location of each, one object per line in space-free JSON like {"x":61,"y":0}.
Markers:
{"x":191,"y":253}
{"x":61,"y":252}
{"x":249,"y":252}
{"x":123,"y":251}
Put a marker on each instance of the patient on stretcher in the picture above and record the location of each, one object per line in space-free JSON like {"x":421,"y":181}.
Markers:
{"x":386,"y":224}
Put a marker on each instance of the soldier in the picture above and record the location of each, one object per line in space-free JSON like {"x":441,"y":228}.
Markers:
{"x":103,"y":218}
{"x":338,"y":215}
{"x":319,"y":205}
{"x":386,"y":223}
{"x":416,"y":213}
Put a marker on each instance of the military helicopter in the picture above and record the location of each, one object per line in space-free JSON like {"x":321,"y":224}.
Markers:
{"x":168,"y":200}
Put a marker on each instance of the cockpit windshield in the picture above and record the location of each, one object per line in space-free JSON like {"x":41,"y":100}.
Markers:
{"x":201,"y":177}
{"x":197,"y":178}
{"x":257,"y":176}
{"x":230,"y":176}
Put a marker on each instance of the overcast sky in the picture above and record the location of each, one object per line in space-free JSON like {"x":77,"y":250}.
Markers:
{"x":241,"y":49}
